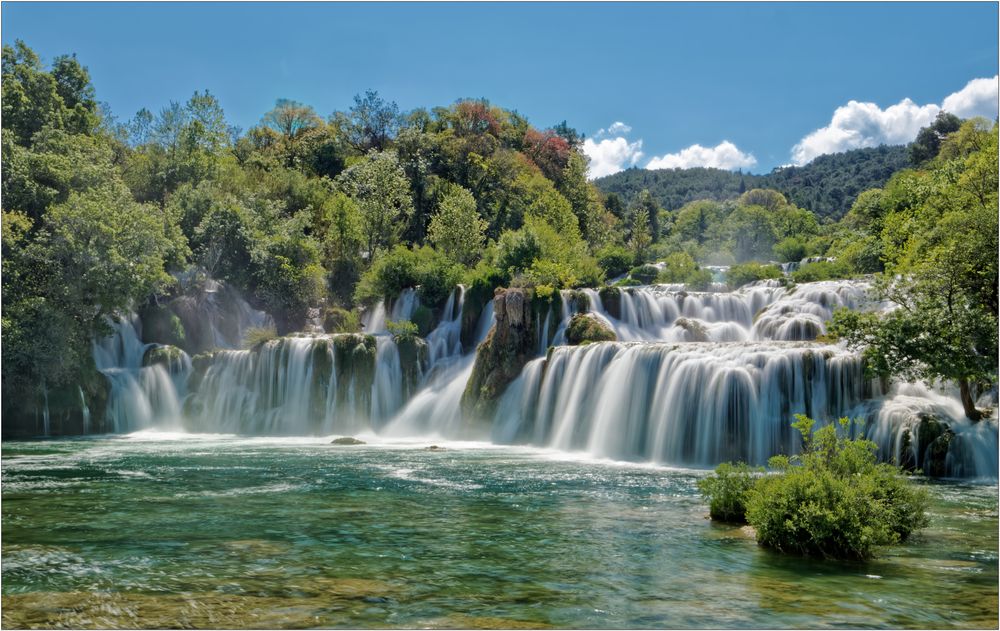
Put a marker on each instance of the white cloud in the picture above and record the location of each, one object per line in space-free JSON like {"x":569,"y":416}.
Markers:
{"x":611,"y":155}
{"x":616,"y":128}
{"x":858,"y":125}
{"x":977,"y":98}
{"x":724,"y":155}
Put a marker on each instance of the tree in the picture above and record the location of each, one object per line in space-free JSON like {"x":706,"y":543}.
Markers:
{"x":942,"y":273}
{"x":290,"y":119}
{"x":928,"y":141}
{"x":751,"y":231}
{"x":456,"y":227}
{"x":640,"y":239}
{"x":379,"y":187}
{"x":645,"y":201}
{"x":371,"y":123}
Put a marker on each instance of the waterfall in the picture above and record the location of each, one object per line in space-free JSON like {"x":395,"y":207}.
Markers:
{"x":140,"y":396}
{"x":680,"y":404}
{"x":84,"y":411}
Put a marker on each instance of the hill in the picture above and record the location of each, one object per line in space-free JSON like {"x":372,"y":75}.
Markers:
{"x":827,"y":186}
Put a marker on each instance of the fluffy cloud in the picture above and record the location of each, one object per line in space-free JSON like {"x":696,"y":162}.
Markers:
{"x":611,"y":155}
{"x":858,"y":125}
{"x":724,"y":155}
{"x":977,"y":98}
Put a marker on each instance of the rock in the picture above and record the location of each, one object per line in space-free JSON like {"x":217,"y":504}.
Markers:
{"x":347,"y":440}
{"x":500,"y":358}
{"x":434,"y":448}
{"x":413,"y":358}
{"x":694,"y":328}
{"x":611,"y":298}
{"x":164,"y":355}
{"x":585,"y":328}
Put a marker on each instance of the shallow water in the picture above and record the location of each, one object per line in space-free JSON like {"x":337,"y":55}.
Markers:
{"x":168,"y":531}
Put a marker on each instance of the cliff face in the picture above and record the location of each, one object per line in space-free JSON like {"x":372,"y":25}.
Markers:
{"x":500,"y":358}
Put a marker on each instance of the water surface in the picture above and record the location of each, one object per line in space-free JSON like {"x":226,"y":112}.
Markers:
{"x":151,"y":530}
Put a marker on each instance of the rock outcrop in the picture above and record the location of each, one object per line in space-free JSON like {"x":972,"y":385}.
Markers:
{"x":500,"y":358}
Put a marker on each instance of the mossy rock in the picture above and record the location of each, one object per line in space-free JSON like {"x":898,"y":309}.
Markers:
{"x":413,"y":358}
{"x":611,"y":298}
{"x":695,"y":329}
{"x":584,"y":328}
{"x":347,"y":440}
{"x":160,"y":325}
{"x":200,"y":364}
{"x":164,"y":355}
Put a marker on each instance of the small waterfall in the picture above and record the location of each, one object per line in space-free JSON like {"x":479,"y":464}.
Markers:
{"x":446,"y":339}
{"x":387,"y":387}
{"x":296,"y":385}
{"x":84,"y":411}
{"x":140,"y":396}
{"x":46,"y":419}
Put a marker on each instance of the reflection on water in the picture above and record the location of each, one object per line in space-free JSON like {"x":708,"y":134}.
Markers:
{"x":226,"y":532}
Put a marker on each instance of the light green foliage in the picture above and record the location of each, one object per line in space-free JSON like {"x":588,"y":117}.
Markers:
{"x":456,"y":228}
{"x":381,"y":191}
{"x":640,"y":240}
{"x":751,"y":231}
{"x":401,"y":329}
{"x":681,"y":268}
{"x":739,"y":275}
{"x":822,"y":270}
{"x":403,"y":267}
{"x":939,"y":239}
{"x":614,"y":260}
{"x":726,"y":490}
{"x":834,"y":500}
{"x":562,"y":259}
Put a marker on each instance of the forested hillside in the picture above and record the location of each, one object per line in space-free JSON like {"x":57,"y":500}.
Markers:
{"x":826,"y":186}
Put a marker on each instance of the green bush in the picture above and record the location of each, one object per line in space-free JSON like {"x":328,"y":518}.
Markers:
{"x":726,"y":489}
{"x":338,"y":320}
{"x":822,"y":270}
{"x":835,"y":500}
{"x":614,"y":260}
{"x":257,"y":336}
{"x":739,"y":275}
{"x":645,"y":274}
{"x":393,"y":272}
{"x":401,"y":329}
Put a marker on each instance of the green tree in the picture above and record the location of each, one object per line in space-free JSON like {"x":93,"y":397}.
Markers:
{"x":456,"y":227}
{"x":379,"y":187}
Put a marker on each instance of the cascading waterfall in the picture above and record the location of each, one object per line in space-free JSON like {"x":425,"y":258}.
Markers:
{"x":683,"y":404}
{"x":695,"y":379}
{"x":140,"y":396}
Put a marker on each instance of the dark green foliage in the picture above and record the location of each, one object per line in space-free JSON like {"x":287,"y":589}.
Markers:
{"x":726,"y":491}
{"x":739,"y":275}
{"x":835,"y":500}
{"x":929,"y":138}
{"x":644,"y":274}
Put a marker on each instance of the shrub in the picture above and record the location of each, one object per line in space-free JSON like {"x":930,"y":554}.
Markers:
{"x":401,"y":329}
{"x":726,"y":489}
{"x":835,"y":500}
{"x":822,"y":270}
{"x":584,"y":328}
{"x":255,"y":336}
{"x":645,"y":274}
{"x":338,"y":320}
{"x":739,"y":275}
{"x":425,"y":267}
{"x":614,"y":260}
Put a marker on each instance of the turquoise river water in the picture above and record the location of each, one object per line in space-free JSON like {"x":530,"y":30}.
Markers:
{"x":155,"y":530}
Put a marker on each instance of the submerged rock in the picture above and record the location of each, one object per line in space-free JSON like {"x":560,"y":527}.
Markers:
{"x":585,"y":328}
{"x":165,"y":355}
{"x":347,"y":440}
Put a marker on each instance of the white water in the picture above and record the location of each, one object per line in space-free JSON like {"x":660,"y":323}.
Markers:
{"x":139,"y":397}
{"x":697,"y":378}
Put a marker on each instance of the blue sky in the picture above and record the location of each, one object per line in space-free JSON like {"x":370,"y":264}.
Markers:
{"x":765,"y":79}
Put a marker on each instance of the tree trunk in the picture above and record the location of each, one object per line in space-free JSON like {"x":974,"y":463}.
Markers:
{"x":967,"y":402}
